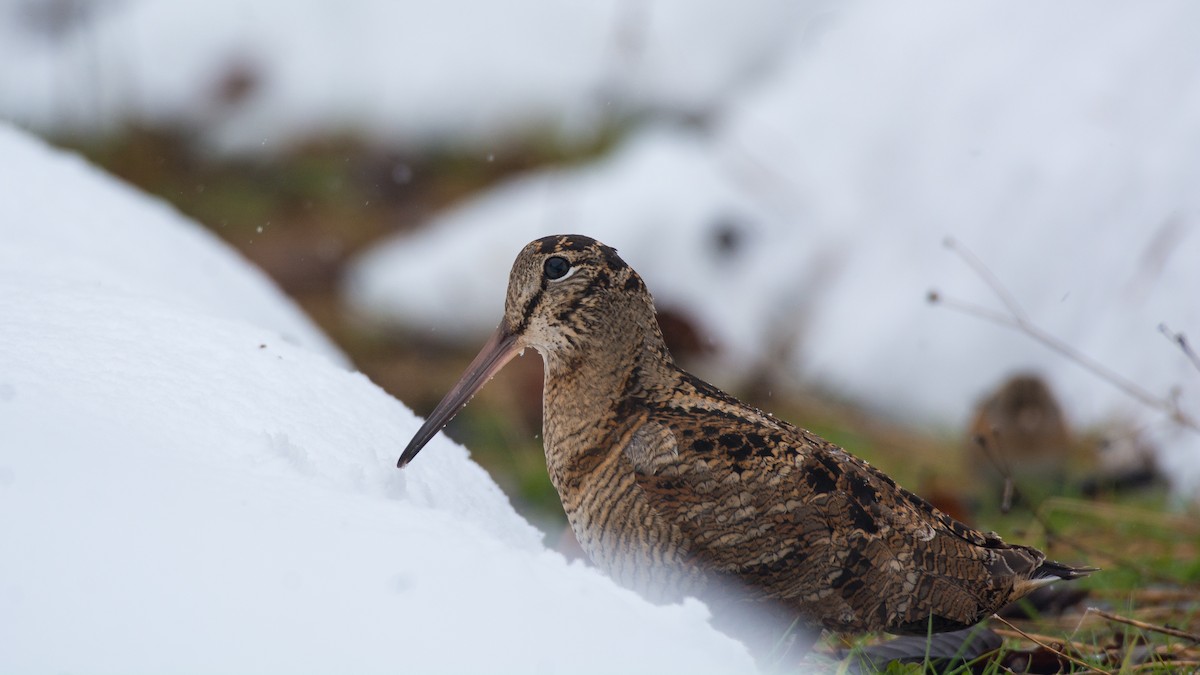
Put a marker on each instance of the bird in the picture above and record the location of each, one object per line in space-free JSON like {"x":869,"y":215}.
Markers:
{"x":1019,"y":432}
{"x":675,"y":488}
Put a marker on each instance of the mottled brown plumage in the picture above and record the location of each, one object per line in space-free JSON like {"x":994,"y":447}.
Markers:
{"x":1020,"y":432}
{"x":675,"y":488}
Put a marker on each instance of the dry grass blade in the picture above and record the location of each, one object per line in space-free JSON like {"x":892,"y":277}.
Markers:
{"x":1157,"y":596}
{"x":1042,"y":640}
{"x":1046,"y":644}
{"x":1177,"y":666}
{"x":1184,"y":525}
{"x":1165,"y":630}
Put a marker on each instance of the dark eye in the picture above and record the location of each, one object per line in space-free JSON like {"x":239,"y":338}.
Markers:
{"x":556,"y":268}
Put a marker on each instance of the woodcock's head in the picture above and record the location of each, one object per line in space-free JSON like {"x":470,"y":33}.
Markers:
{"x":566,"y":294}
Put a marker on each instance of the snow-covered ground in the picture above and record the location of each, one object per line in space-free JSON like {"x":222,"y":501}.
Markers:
{"x":259,"y":74}
{"x":1057,"y":142}
{"x":192,"y":481}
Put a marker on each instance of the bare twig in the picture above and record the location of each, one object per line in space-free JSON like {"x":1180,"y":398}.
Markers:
{"x":1016,"y":318}
{"x":1046,"y":645}
{"x":984,"y":313}
{"x":1006,"y":497}
{"x":1181,"y":340}
{"x":1166,"y":630}
{"x":988,"y":278}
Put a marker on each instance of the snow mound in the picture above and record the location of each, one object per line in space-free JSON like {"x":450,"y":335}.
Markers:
{"x":65,"y":221}
{"x":184,"y":488}
{"x":260,"y":74}
{"x":1055,"y":143}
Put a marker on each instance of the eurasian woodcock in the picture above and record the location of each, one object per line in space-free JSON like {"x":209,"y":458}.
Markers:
{"x":1019,"y":432}
{"x":675,"y":488}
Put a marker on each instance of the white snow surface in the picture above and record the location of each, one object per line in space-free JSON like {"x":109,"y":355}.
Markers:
{"x":1057,"y":142}
{"x":190,"y":481}
{"x":63,"y":220}
{"x":406,"y":73}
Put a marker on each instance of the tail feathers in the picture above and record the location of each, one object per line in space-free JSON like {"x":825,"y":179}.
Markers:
{"x":1047,"y":573}
{"x":1050,"y":571}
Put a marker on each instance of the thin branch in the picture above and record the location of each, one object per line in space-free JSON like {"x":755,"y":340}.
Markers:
{"x":1044,"y":645}
{"x":1181,"y":340}
{"x":1166,"y":630}
{"x":988,"y":278}
{"x":936,"y":298}
{"x":1016,"y":318}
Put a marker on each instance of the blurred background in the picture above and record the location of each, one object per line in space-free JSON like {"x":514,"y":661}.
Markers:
{"x":794,"y":180}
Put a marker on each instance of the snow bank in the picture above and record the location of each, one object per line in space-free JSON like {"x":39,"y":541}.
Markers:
{"x":191,"y":482}
{"x":259,"y":74}
{"x":1056,"y":142}
{"x":66,"y":222}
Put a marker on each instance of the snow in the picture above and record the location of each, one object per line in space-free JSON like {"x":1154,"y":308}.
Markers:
{"x":1055,"y":143}
{"x":69,"y":224}
{"x":192,"y":481}
{"x":405,"y":73}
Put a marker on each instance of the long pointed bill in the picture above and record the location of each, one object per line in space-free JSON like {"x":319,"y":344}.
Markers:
{"x":499,"y":350}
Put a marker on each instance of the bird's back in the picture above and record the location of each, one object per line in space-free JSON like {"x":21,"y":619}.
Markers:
{"x":720,"y":491}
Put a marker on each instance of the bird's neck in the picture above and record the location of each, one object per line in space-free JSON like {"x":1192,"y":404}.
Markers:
{"x":591,"y":386}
